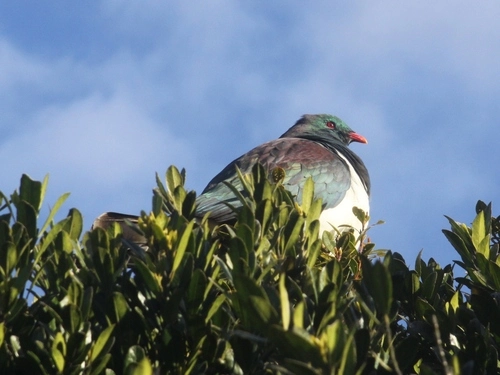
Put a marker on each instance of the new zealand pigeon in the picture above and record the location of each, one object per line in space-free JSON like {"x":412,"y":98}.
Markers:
{"x":316,"y":146}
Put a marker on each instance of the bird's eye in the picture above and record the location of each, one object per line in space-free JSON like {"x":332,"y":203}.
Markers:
{"x":331,"y":125}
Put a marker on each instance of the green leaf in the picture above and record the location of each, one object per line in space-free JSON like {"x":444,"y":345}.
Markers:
{"x":348,"y":362}
{"x":297,"y":344}
{"x":419,"y":263}
{"x":484,"y":247}
{"x":361,"y":215}
{"x":17,"y":306}
{"x":328,"y":239}
{"x":377,"y":279}
{"x":406,"y":351}
{"x":97,"y":366}
{"x":103,"y":343}
{"x":424,"y":309}
{"x":143,"y":367}
{"x":86,"y":304}
{"x":75,"y":318}
{"x":292,"y":232}
{"x":315,"y":210}
{"x":10,"y":260}
{"x":26,"y":215}
{"x":263,"y":310}
{"x":2,"y":333}
{"x":174,"y":179}
{"x":285,"y":303}
{"x":239,"y":255}
{"x":147,"y":275}
{"x":454,"y":302}
{"x":335,"y":339}
{"x":158,"y":201}
{"x":480,"y":235}
{"x":60,"y":201}
{"x":246,"y":217}
{"x":313,"y":252}
{"x":244,"y":231}
{"x":252,"y":303}
{"x":460,"y":246}
{"x":478,"y":229}
{"x":412,"y":282}
{"x":64,"y":242}
{"x":136,"y":362}
{"x":263,"y":213}
{"x":262,"y":189}
{"x":196,"y":290}
{"x":49,"y":238}
{"x":182,"y":245}
{"x":30,"y":191}
{"x":179,"y":195}
{"x":297,"y":367}
{"x":215,"y":307}
{"x":120,"y":305}
{"x":494,"y":271}
{"x":59,"y":351}
{"x":247,"y":180}
{"x":160,"y":189}
{"x":307,"y":194}
{"x":430,"y":286}
{"x":74,"y":225}
{"x":299,"y":312}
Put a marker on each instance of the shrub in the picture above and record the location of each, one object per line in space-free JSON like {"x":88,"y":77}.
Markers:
{"x":267,"y":295}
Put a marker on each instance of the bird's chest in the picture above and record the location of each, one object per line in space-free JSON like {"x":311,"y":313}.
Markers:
{"x":341,"y":214}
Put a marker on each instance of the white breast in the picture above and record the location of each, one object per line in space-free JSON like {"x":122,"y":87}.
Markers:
{"x":342,"y":214}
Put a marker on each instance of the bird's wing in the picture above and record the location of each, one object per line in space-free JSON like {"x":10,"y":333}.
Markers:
{"x":299,"y":158}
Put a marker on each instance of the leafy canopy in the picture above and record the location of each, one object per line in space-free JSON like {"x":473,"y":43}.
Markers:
{"x":266,"y":295}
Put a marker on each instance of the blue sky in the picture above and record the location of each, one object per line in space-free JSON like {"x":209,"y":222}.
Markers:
{"x":102,"y":94}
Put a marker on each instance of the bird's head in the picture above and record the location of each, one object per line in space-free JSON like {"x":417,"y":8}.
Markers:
{"x":325,"y":127}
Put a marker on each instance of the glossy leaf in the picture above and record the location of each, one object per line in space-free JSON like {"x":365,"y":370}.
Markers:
{"x":30,"y":191}
{"x":183,"y":245}
{"x":59,"y":351}
{"x":285,"y":304}
{"x":297,"y":344}
{"x":378,"y":281}
{"x":103,"y":343}
{"x":136,"y":362}
{"x":60,"y":201}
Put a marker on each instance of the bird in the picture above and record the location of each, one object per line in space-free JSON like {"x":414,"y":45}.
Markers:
{"x":315,"y":146}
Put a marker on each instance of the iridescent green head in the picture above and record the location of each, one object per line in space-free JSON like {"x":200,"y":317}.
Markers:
{"x":325,"y":127}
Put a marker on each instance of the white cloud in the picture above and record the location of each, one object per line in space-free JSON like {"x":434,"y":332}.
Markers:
{"x":98,"y":135}
{"x":393,"y":38}
{"x":16,"y":69}
{"x":100,"y":140}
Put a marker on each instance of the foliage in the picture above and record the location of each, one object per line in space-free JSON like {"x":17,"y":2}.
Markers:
{"x":266,"y":295}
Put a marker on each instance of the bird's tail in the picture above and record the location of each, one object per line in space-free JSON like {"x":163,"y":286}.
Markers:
{"x":125,"y":221}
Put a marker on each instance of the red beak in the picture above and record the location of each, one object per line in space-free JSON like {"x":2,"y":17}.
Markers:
{"x":355,"y":137}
